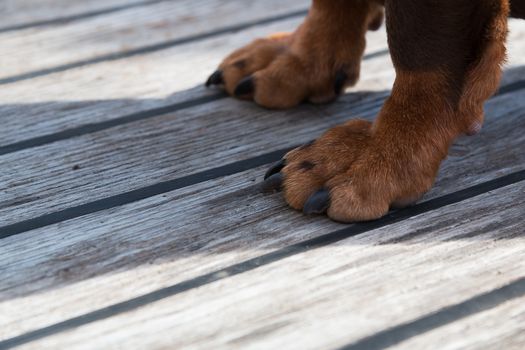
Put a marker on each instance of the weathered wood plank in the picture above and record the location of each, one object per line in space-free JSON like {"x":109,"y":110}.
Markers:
{"x":110,"y":90}
{"x":121,"y":245}
{"x":20,"y":197}
{"x":140,"y":154}
{"x":39,"y":107}
{"x":123,"y":31}
{"x":16,"y":13}
{"x":500,"y":328}
{"x":315,"y":299}
{"x":162,"y":227}
{"x":154,"y":150}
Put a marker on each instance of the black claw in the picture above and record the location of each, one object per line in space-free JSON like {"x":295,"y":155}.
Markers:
{"x":245,"y":87}
{"x":340,"y":80}
{"x":215,"y":79}
{"x":273,"y":183}
{"x":275,"y":168}
{"x":318,"y":203}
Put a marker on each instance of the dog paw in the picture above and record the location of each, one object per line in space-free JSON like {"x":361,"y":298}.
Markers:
{"x":315,"y":63}
{"x":350,"y":174}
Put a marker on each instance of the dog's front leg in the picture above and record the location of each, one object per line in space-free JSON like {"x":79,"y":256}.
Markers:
{"x":447,"y":56}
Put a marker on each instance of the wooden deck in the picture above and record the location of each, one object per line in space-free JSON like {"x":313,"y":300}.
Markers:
{"x":130,"y":214}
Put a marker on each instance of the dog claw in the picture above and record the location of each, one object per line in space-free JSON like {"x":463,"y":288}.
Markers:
{"x":215,"y":79}
{"x":318,"y":202}
{"x":272,"y":183}
{"x":275,"y":168}
{"x":245,"y":87}
{"x":340,"y":80}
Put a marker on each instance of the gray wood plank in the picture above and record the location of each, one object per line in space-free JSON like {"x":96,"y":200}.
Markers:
{"x":500,"y":328}
{"x":168,"y":238}
{"x":22,"y":13}
{"x":77,"y":187}
{"x":165,"y":227}
{"x":44,"y":180}
{"x":110,"y":90}
{"x":25,"y":51}
{"x":316,"y":299}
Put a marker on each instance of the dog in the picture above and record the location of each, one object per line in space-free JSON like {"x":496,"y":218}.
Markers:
{"x":448,"y":57}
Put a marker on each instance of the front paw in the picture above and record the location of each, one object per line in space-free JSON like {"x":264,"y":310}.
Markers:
{"x":278,"y":72}
{"x":349,"y":174}
{"x":315,"y":63}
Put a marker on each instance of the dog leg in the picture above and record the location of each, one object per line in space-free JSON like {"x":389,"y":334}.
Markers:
{"x":316,"y":62}
{"x":447,"y":56}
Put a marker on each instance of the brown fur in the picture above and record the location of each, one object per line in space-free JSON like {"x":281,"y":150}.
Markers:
{"x":448,"y":57}
{"x":289,"y":69}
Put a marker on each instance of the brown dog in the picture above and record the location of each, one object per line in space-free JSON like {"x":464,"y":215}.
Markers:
{"x":447,"y":55}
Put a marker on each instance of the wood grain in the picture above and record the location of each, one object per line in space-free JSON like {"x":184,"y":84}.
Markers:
{"x":110,"y":90}
{"x":127,"y":30}
{"x":375,"y":280}
{"x":96,"y":154}
{"x":44,"y":180}
{"x":150,"y":151}
{"x":24,"y":12}
{"x":181,"y":234}
{"x":500,"y":328}
{"x":337,"y":294}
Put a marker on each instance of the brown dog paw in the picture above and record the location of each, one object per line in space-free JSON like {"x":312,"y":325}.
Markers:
{"x":353,"y":173}
{"x":312,"y":63}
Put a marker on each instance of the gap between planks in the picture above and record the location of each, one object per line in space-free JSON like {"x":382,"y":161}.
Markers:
{"x":337,"y":269}
{"x":136,"y":31}
{"x":23,"y":15}
{"x":131,"y":188}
